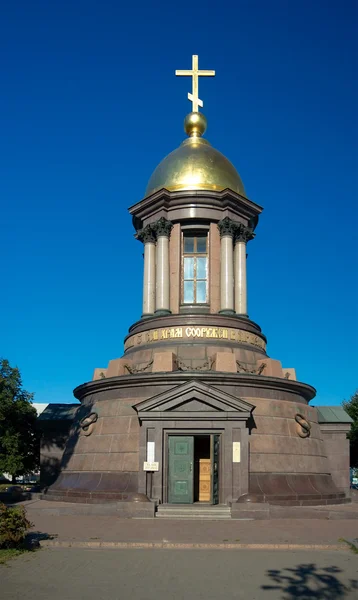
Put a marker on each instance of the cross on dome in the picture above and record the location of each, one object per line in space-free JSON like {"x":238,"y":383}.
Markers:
{"x":195,"y":74}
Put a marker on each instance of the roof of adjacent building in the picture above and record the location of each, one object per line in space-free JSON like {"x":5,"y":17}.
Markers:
{"x":333,"y":414}
{"x":66,"y":412}
{"x":59,"y":412}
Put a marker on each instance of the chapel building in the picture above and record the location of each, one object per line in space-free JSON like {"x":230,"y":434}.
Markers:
{"x":195,"y":411}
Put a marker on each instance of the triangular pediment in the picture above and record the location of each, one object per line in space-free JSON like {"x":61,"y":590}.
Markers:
{"x":194,"y":397}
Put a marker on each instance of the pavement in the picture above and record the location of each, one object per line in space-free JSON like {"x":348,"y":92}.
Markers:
{"x":70,"y":573}
{"x":56,"y":529}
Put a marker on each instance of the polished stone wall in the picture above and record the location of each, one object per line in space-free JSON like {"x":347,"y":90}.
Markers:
{"x":275,"y":445}
{"x":336,"y":444}
{"x":283,"y":467}
{"x":113,"y":445}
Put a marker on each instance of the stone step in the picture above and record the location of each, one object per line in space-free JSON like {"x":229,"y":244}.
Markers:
{"x":195,"y":512}
{"x":181,"y":517}
{"x":211,"y":510}
{"x":175,"y":511}
{"x":195,"y":506}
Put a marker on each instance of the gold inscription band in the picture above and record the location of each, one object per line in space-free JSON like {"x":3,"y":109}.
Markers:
{"x":187,"y":333}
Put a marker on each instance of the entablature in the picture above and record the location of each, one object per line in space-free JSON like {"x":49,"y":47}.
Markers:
{"x":198,"y":205}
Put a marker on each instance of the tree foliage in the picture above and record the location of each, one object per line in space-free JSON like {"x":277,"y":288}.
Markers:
{"x":351,"y":407}
{"x":19,"y":448}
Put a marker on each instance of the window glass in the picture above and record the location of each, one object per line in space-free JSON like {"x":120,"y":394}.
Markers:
{"x":188,"y":245}
{"x":188,"y":267}
{"x":201,"y":292}
{"x":201,"y":267}
{"x":201,"y":245}
{"x":189,"y":292}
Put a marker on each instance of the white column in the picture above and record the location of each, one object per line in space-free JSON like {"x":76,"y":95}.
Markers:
{"x":240,"y":279}
{"x":162,"y":301}
{"x":149,"y":279}
{"x":147,"y":236}
{"x":227,"y":227}
{"x":242,"y":236}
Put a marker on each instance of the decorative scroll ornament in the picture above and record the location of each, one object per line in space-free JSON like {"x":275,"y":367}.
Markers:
{"x":243,"y":233}
{"x":146,"y":235}
{"x":206,"y":366}
{"x":162,"y":227}
{"x":238,"y":231}
{"x":255,"y":371}
{"x":303,"y":426}
{"x":135,"y":369}
{"x":227,"y":227}
{"x":87,"y":423}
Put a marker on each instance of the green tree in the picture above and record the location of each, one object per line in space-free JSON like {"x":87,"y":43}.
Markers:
{"x":19,"y":440}
{"x":351,"y":407}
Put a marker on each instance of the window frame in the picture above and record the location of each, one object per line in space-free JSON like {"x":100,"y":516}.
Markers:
{"x":195,"y":233}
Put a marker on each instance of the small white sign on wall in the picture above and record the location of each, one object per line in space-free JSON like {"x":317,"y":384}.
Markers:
{"x":236,"y":452}
{"x":150,"y":452}
{"x":151,"y":466}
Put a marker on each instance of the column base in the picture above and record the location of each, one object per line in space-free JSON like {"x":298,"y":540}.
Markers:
{"x":147,"y":315}
{"x":161,"y":312}
{"x":242,"y":315}
{"x":227,"y":311}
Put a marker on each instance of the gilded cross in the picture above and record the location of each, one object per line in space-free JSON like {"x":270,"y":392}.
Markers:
{"x":195,"y":74}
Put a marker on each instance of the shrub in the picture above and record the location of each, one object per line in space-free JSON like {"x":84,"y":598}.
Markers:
{"x":13,"y":526}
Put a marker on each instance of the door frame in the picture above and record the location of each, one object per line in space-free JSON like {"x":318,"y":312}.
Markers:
{"x":186,"y":433}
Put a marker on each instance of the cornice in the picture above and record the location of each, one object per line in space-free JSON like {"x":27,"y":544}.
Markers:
{"x":210,"y":378}
{"x":166,"y":201}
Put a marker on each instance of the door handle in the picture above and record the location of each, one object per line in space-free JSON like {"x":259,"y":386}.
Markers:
{"x":191,"y":467}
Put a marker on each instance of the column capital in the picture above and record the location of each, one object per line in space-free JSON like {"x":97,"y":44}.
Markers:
{"x":162,"y":227}
{"x":146,"y":235}
{"x":227,"y":227}
{"x":243,"y":233}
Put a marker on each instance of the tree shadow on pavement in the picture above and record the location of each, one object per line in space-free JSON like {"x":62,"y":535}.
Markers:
{"x":33,"y":539}
{"x":308,"y":582}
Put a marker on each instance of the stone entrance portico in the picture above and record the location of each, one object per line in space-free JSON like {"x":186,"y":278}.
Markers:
{"x":195,"y":408}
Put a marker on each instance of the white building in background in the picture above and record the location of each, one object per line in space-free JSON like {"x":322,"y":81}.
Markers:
{"x":40,"y":406}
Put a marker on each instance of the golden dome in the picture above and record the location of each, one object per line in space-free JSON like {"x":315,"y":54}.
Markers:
{"x":195,"y":165}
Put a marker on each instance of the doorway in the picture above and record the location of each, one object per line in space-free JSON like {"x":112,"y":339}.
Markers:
{"x":193,"y":469}
{"x":202,"y":469}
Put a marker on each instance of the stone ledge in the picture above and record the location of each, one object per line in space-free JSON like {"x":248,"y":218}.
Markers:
{"x":181,"y":546}
{"x":262,"y":511}
{"x":123,"y":510}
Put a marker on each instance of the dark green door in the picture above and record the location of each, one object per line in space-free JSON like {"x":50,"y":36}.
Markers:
{"x":181,"y":458}
{"x":214,"y":453}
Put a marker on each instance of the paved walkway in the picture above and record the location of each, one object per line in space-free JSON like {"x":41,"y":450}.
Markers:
{"x":112,"y":529}
{"x":179,"y":575}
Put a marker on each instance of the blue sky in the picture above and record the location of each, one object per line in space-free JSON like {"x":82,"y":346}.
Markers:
{"x":89,"y":105}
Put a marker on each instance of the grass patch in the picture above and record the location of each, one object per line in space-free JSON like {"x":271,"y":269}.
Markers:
{"x":351,"y":545}
{"x":9,"y":553}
